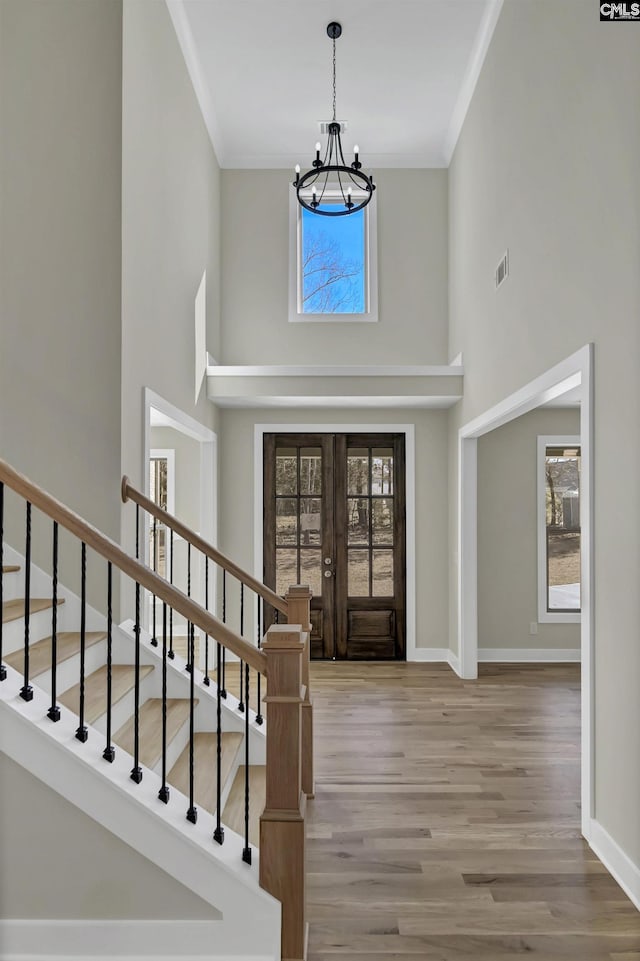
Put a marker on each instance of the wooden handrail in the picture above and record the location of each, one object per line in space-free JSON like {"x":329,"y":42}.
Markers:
{"x":130,"y":493}
{"x":143,"y":575}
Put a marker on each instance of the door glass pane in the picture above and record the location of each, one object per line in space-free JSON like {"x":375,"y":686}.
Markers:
{"x":310,"y":470}
{"x":382,"y":574}
{"x":358,"y":573}
{"x":358,"y":520}
{"x":358,"y":471}
{"x":286,"y":569}
{"x":286,"y":471}
{"x":310,"y":520}
{"x":382,"y":471}
{"x":287,"y":520}
{"x":382,"y":520}
{"x":311,"y":570}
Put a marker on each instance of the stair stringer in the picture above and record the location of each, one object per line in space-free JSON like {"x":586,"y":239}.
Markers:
{"x":133,"y":813}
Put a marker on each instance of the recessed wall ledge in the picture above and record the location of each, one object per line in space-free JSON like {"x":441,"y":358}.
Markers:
{"x":392,"y":386}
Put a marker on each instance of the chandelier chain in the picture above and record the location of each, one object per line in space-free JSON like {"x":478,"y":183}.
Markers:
{"x":334,"y":79}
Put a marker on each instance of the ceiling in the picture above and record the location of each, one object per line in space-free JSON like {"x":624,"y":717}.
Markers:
{"x":406,"y":71}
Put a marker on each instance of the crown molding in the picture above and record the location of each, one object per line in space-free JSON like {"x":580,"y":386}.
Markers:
{"x":468,"y":86}
{"x":184,"y":34}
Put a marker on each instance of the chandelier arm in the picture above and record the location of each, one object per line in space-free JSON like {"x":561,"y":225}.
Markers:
{"x":357,"y":179}
{"x":326,"y":180}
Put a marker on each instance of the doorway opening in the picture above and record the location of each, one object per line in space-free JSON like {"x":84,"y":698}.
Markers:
{"x":572,"y":376}
{"x":179,"y":472}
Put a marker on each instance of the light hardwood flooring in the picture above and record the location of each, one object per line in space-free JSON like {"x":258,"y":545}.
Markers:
{"x":446,"y":821}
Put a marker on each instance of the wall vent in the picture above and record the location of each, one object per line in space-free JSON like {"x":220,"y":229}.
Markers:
{"x":502,"y":270}
{"x":323,"y":126}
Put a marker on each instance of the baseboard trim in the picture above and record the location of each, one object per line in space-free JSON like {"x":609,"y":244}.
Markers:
{"x":618,"y":864}
{"x":94,"y":940}
{"x":434,"y":655}
{"x":529,"y":655}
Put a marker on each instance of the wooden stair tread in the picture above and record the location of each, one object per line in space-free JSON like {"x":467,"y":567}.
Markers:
{"x":10,"y":568}
{"x":150,"y":728}
{"x":205,"y":751}
{"x":233,"y":814}
{"x":40,"y":652}
{"x":14,"y":610}
{"x":95,"y":690}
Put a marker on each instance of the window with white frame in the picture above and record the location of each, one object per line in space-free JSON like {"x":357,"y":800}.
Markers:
{"x":333,"y":264}
{"x":559,"y":575}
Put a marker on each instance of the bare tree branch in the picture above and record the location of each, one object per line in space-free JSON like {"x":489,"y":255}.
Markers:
{"x":323,"y":268}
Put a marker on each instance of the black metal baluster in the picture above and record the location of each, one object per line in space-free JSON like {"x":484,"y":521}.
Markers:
{"x":171,"y":654}
{"x":192,"y":813}
{"x":222,"y":678}
{"x":206,"y":637}
{"x":136,"y":770}
{"x":241,"y":702}
{"x":218,"y":834}
{"x":27,"y":691}
{"x":246,"y":854}
{"x":163,"y":793}
{"x":189,"y":663}
{"x":259,"y":718}
{"x":154,"y":639}
{"x":109,"y":752}
{"x":3,"y":670}
{"x":54,"y":711}
{"x":82,"y":733}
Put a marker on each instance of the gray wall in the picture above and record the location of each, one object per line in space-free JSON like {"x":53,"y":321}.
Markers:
{"x":170,"y":228}
{"x":60,"y":255}
{"x":237,"y":496}
{"x":508,"y":534}
{"x":80,"y":869}
{"x":547,"y":165}
{"x":412,"y":254}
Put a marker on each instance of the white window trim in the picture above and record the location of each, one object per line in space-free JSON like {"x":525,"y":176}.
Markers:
{"x":545,"y":616}
{"x":371,"y":270}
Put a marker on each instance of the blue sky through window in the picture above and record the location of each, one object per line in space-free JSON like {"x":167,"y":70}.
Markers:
{"x":333,"y":264}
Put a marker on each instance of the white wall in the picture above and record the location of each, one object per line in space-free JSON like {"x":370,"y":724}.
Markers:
{"x":170,"y":228}
{"x":237,"y":490}
{"x":508,"y":534}
{"x":60,"y":255}
{"x":75,"y":868}
{"x":547,"y":165}
{"x":412,"y":257}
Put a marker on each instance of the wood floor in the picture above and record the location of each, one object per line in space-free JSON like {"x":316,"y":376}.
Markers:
{"x":446,"y":822}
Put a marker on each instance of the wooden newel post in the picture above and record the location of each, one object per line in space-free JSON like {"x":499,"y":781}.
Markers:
{"x":299,"y":612}
{"x":282,"y":828}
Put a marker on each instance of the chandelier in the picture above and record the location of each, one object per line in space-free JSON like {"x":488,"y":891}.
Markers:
{"x":347,"y":188}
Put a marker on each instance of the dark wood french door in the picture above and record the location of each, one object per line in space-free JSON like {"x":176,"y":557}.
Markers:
{"x":334,"y":518}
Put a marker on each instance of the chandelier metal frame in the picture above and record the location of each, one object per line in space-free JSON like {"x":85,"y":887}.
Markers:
{"x":350,"y":183}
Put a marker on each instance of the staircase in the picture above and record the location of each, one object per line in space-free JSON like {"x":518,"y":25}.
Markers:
{"x":154,"y":751}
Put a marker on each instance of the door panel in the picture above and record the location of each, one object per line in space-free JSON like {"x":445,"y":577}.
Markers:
{"x":370,"y":546}
{"x":335,"y":519}
{"x":298,"y":528}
